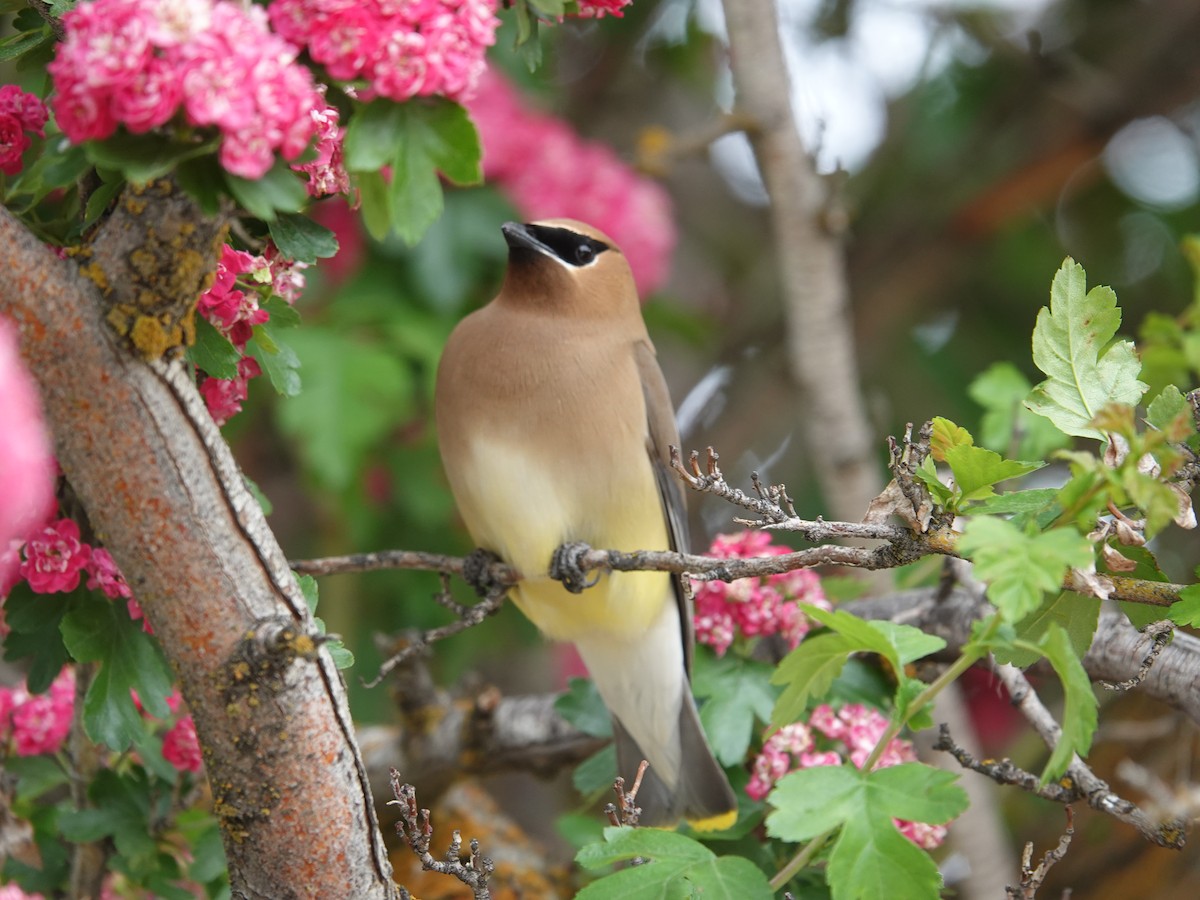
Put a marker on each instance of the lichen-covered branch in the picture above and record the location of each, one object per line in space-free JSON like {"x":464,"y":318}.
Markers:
{"x":1171,"y":834}
{"x":166,"y":497}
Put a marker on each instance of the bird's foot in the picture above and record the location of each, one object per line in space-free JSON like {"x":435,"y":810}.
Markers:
{"x":567,"y":566}
{"x":477,"y":571}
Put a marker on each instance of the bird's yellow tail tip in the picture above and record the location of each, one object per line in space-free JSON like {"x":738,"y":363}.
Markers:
{"x":719,"y":822}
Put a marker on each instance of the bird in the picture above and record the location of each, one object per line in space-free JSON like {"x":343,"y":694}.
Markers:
{"x":554,"y":424}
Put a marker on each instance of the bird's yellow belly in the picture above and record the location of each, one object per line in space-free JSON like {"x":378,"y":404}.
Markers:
{"x":523,"y":507}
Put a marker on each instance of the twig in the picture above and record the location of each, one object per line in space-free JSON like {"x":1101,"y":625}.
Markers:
{"x":1171,"y":834}
{"x":1005,"y":771}
{"x":415,"y":828}
{"x":903,"y":547}
{"x":1160,"y":634}
{"x":466,"y":617}
{"x":1031,"y":879}
{"x":626,"y":811}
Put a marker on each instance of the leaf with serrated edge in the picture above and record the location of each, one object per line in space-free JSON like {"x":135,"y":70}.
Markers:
{"x":947,"y":435}
{"x":1020,"y":569}
{"x":1075,"y":613}
{"x":1079,"y":703}
{"x":807,"y":672}
{"x":977,"y":470}
{"x":1186,"y":610}
{"x":1073,"y":345}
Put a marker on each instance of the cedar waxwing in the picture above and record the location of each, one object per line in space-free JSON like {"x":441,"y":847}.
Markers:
{"x":554,"y":423}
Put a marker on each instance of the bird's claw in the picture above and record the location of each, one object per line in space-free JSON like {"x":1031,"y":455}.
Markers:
{"x":566,"y":566}
{"x":477,"y":571}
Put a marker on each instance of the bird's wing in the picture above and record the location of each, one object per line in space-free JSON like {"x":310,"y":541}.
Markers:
{"x":662,"y":433}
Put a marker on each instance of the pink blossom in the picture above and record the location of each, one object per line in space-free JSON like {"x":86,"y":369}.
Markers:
{"x":547,"y":171}
{"x":13,"y":143}
{"x":135,"y":612}
{"x":233,"y":312}
{"x":38,"y":723}
{"x":27,"y":469}
{"x":55,"y":557}
{"x":13,"y":892}
{"x":28,"y":109}
{"x":224,"y":396}
{"x":830,"y":737}
{"x":287,"y":275}
{"x":403,"y":49}
{"x":754,"y":607}
{"x":104,"y":575}
{"x":597,"y":9}
{"x":138,"y":64}
{"x":327,"y":173}
{"x":181,"y":748}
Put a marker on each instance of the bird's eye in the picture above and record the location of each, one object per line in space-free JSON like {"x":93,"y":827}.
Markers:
{"x":584,"y":254}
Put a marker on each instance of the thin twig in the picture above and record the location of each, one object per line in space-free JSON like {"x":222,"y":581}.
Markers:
{"x":414,"y":826}
{"x":1031,"y":879}
{"x":1160,"y":634}
{"x":1005,"y":771}
{"x":1171,"y":834}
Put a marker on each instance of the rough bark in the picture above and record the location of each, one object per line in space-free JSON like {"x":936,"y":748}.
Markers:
{"x":166,"y":497}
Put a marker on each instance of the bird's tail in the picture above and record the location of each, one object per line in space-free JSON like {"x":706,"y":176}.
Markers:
{"x":701,"y":795}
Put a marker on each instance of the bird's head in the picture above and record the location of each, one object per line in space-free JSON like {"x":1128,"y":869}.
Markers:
{"x":567,"y":265}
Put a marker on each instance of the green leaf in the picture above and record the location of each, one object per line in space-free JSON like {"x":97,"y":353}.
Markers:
{"x":807,"y":672}
{"x":278,"y":360}
{"x":101,"y":632}
{"x":927,"y":473}
{"x":300,"y":238}
{"x":676,"y":866}
{"x":580,"y":704}
{"x":1007,"y":426}
{"x":34,"y":622}
{"x":373,"y":191}
{"x":1020,"y":569}
{"x":1152,"y":496}
{"x":308,"y":587}
{"x":212,"y":351}
{"x":35,"y":775}
{"x":1186,"y":610}
{"x":597,"y":772}
{"x":946,"y":435}
{"x":439,"y":137}
{"x":143,"y":157}
{"x":1076,"y":614}
{"x":16,"y":45}
{"x":355,"y":394}
{"x":279,"y":190}
{"x":869,"y":858}
{"x":1015,"y":502}
{"x":1073,"y":344}
{"x":263,"y":500}
{"x":976,"y":470}
{"x":1167,"y":407}
{"x":1079,"y":702}
{"x":738,"y":693}
{"x":419,"y":139}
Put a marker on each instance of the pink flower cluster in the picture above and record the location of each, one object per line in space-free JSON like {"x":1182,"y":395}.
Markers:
{"x":831,"y":737}
{"x":547,"y":171}
{"x":27,"y":468}
{"x":55,"y":558}
{"x":597,"y":9}
{"x":327,"y":172}
{"x":232,"y":306}
{"x":14,"y":892}
{"x":181,"y":747}
{"x":38,"y":723}
{"x":754,"y":607}
{"x":402,"y":48}
{"x":19,"y":112}
{"x":138,"y":62}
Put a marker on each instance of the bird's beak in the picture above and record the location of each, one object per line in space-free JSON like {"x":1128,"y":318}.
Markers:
{"x":520,"y":237}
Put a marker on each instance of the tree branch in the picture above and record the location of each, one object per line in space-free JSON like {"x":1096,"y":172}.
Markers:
{"x":1171,"y":834}
{"x":806,"y":228}
{"x":164,"y":493}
